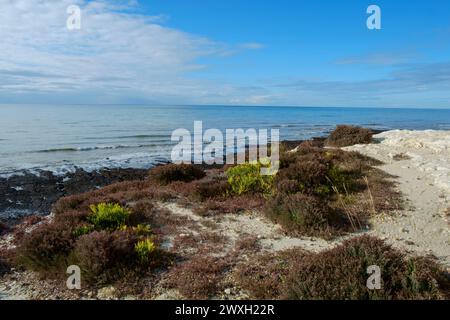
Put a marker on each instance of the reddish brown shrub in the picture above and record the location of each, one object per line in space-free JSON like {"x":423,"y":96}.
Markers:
{"x":211,"y":189}
{"x":121,"y":193}
{"x":176,"y":172}
{"x":200,"y":277}
{"x":234,"y":204}
{"x":142,"y":211}
{"x":264,"y":277}
{"x":304,"y":215}
{"x":345,"y":135}
{"x":402,"y":278}
{"x":287,"y":186}
{"x":341,"y":273}
{"x":47,"y":247}
{"x":247,"y":242}
{"x":102,"y":255}
{"x":310,"y":172}
{"x":70,"y":203}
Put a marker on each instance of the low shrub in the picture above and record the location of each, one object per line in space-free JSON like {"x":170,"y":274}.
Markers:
{"x":341,"y":273}
{"x":210,"y":189}
{"x":68,"y":203}
{"x":143,"y":211}
{"x":345,"y":135}
{"x":121,"y":193}
{"x":309,"y":175}
{"x":103,"y":256}
{"x":402,"y":277}
{"x":176,"y":172}
{"x":322,"y":172}
{"x":46,"y":248}
{"x":247,"y":178}
{"x":287,"y":186}
{"x":84,"y":229}
{"x":108,"y":216}
{"x":144,"y":249}
{"x":265,"y":275}
{"x":247,"y":242}
{"x":304,"y":215}
{"x":142,"y":230}
{"x":339,"y":180}
{"x":233,"y":204}
{"x":200,"y":277}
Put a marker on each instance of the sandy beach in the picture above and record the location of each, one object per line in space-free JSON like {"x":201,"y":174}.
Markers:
{"x":420,"y":160}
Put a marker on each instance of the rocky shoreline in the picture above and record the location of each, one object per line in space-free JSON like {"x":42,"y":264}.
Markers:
{"x":29,"y":193}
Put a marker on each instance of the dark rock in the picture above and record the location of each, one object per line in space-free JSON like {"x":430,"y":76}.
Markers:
{"x":35,"y":194}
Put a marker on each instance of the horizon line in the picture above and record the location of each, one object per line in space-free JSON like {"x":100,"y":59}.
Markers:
{"x":220,"y":105}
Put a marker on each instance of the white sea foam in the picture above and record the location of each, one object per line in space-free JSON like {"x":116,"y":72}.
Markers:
{"x":429,"y":151}
{"x":142,"y":160}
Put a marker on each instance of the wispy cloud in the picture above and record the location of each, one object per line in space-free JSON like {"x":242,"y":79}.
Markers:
{"x":123,"y":56}
{"x":391,"y":58}
{"x":115,"y":49}
{"x":252,"y":46}
{"x":401,"y":87}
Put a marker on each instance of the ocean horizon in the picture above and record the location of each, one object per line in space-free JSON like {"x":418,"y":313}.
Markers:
{"x":61,"y":138}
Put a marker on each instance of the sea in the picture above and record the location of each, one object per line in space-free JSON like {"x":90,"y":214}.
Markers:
{"x":62,"y":138}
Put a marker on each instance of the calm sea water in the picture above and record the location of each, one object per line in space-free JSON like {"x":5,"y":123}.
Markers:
{"x":60,"y":138}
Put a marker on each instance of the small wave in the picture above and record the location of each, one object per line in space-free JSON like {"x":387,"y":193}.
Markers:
{"x":79,"y":149}
{"x":136,"y":136}
{"x":143,"y":136}
{"x":287,"y":126}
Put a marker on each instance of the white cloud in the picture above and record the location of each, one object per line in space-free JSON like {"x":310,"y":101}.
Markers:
{"x":119,"y":56}
{"x":381,"y":59}
{"x":116,"y":53}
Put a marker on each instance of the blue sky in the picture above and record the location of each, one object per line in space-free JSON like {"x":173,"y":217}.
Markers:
{"x":240,"y":52}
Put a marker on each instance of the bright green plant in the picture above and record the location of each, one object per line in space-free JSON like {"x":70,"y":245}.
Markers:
{"x":144,"y":249}
{"x":337,"y":178}
{"x":108,"y":216}
{"x":142,"y":230}
{"x":85,"y":229}
{"x":247,"y":177}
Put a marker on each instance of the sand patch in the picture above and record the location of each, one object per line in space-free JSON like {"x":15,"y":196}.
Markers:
{"x":424,"y":179}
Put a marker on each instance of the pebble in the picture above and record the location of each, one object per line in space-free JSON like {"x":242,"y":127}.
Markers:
{"x":106,"y":293}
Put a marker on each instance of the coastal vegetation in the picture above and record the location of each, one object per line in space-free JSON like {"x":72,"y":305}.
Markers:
{"x":341,"y":273}
{"x":176,"y":172}
{"x":345,"y":135}
{"x":200,"y":231}
{"x":247,"y":178}
{"x":107,"y":241}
